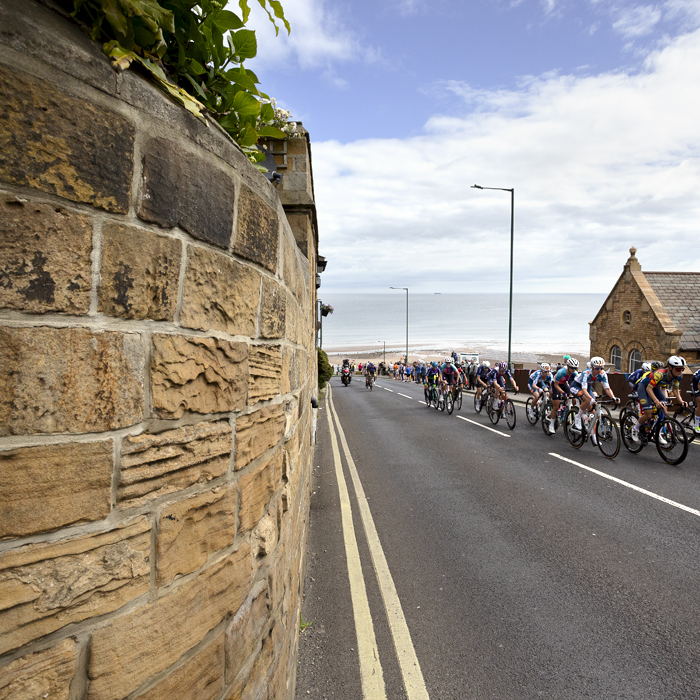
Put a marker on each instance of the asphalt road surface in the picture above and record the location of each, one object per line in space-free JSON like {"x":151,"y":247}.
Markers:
{"x":516,"y":574}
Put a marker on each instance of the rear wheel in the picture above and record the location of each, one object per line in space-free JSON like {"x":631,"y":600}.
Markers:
{"x":478,"y":403}
{"x":449,"y":402}
{"x":458,"y":400}
{"x":492,"y":410}
{"x":546,"y":420}
{"x":608,"y":437}
{"x":441,"y":400}
{"x":575,"y":437}
{"x":627,"y":421}
{"x":426,"y":395}
{"x":531,"y":411}
{"x":685,"y":417}
{"x":509,"y":411}
{"x":671,"y":441}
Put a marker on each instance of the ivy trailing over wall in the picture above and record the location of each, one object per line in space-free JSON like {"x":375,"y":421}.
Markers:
{"x":194,"y":50}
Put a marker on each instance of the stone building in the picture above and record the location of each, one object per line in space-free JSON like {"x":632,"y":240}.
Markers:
{"x":648,"y":316}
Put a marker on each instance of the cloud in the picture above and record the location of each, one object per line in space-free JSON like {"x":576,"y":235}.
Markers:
{"x":599,"y":163}
{"x":636,"y":21}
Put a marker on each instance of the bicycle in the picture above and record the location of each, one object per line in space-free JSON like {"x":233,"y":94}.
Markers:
{"x":446,"y":399}
{"x":369,"y":382}
{"x":668,"y":434}
{"x":564,"y":405}
{"x":431,"y":395}
{"x":533,"y":409}
{"x":458,"y":398}
{"x":503,"y":407}
{"x":599,"y":426}
{"x":480,"y":401}
{"x":685,"y":415}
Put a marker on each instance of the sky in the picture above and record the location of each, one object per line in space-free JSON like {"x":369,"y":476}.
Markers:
{"x":589,"y":109}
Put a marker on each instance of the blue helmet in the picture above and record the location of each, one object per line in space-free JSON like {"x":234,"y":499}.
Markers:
{"x":434,"y":363}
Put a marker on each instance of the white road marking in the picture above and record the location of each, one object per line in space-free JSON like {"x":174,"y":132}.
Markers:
{"x":486,"y":427}
{"x":628,"y":485}
{"x":423,"y":402}
{"x":371,"y":674}
{"x":413,"y":681}
{"x":391,"y":390}
{"x":404,"y":395}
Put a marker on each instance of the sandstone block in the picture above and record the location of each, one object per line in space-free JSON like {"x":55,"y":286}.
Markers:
{"x":274,"y":304}
{"x":140,"y":273}
{"x":44,"y":258}
{"x":180,"y":189}
{"x":46,"y":674}
{"x":220,"y":294}
{"x":257,"y":488}
{"x":204,"y":375}
{"x":146,"y":641}
{"x":63,"y":145}
{"x":47,"y":487}
{"x":246,"y":629}
{"x":194,"y":528}
{"x":200,"y":678}
{"x":69,"y":380}
{"x":153,"y":465}
{"x":265,"y":366}
{"x":257,"y":237}
{"x":48,"y":586}
{"x":291,"y":269}
{"x":258,"y":432}
{"x":264,"y":538}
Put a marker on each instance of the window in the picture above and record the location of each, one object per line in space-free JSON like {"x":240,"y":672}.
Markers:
{"x":627,"y":316}
{"x":616,"y":357}
{"x":635,"y":360}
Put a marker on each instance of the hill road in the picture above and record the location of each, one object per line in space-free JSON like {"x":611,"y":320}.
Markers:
{"x":450,"y":558}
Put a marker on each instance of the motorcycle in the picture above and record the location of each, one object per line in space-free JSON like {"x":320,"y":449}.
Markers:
{"x":345,"y":376}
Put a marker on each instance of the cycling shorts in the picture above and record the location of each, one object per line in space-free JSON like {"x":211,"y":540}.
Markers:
{"x":644,"y":399}
{"x":562,"y":387}
{"x":450,"y":379}
{"x":431,"y":379}
{"x":576,"y":390}
{"x":500,"y":380}
{"x":540,"y":386}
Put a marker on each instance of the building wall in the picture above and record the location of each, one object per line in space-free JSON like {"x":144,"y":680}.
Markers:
{"x":158,"y":365}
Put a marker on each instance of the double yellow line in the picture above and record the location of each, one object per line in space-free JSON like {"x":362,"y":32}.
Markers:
{"x":371,"y":674}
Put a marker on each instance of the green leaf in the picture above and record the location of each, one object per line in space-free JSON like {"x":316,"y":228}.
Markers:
{"x":245,"y":42}
{"x":279,"y":13}
{"x":196,"y":86}
{"x":249,"y":137}
{"x":271,"y":132}
{"x":245,"y":9}
{"x":267,"y":113}
{"x":226,"y":20}
{"x":121,"y":58}
{"x":115,"y":15}
{"x":196,"y":67}
{"x":241,"y":78}
{"x":230,"y":122}
{"x":245,"y":104}
{"x":151,"y":12}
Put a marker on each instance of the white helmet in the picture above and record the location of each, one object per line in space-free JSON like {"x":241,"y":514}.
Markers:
{"x":544,"y":367}
{"x":597,"y":362}
{"x":676,"y":361}
{"x":572,"y":362}
{"x":448,"y":360}
{"x":646,"y":366}
{"x":486,"y":364}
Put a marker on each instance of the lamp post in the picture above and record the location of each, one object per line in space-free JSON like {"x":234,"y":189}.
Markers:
{"x":406,"y":290}
{"x":512,"y":217}
{"x":383,"y":341}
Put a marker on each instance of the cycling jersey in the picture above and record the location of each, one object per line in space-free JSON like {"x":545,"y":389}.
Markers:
{"x":586,"y":377}
{"x":432,"y":375}
{"x":496,"y":377}
{"x":634,"y":378}
{"x":449,"y":372}
{"x":483,"y":373}
{"x":661,"y":379}
{"x":563,"y":377}
{"x":695,"y":380}
{"x":540,"y":378}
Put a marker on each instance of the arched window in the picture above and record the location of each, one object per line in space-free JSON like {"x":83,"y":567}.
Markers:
{"x":635,"y":360}
{"x":616,"y":358}
{"x":627,"y":316}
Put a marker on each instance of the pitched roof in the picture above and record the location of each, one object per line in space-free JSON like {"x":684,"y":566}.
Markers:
{"x":679,"y":294}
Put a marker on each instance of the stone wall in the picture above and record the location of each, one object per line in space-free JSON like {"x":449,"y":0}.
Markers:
{"x":156,"y":375}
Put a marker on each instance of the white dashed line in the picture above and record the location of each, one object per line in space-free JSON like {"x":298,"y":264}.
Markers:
{"x":486,"y":427}
{"x":404,"y":395}
{"x":385,"y":389}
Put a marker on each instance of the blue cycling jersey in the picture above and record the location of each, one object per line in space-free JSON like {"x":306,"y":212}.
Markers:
{"x":540,"y":378}
{"x":448,"y":368}
{"x":634,"y":378}
{"x":495,"y":375}
{"x":483,"y":372}
{"x":586,"y":377}
{"x":563,"y":376}
{"x":695,"y":380}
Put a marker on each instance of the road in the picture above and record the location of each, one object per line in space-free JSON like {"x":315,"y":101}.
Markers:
{"x":518,"y":574}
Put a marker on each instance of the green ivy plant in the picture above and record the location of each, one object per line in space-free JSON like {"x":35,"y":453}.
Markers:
{"x":194,"y":50}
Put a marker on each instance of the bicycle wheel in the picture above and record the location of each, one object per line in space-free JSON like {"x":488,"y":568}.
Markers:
{"x":627,"y":421}
{"x":458,"y":400}
{"x":495,"y":412}
{"x":608,"y":437}
{"x":575,"y":437}
{"x":436,"y":398}
{"x":685,"y":417}
{"x":478,"y":403}
{"x":441,"y":400}
{"x":671,"y":441}
{"x":449,"y":402}
{"x":426,"y":396}
{"x":509,"y":411}
{"x":531,"y":411}
{"x":546,"y":420}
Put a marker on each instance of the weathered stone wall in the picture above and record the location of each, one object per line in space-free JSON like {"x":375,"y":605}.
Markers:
{"x":157,"y":366}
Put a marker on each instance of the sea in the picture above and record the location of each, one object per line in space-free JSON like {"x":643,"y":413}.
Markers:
{"x":542,"y":323}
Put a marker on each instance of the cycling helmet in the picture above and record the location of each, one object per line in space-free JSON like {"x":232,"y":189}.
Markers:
{"x":572,"y":362}
{"x":646,"y":366}
{"x":544,"y":367}
{"x":448,"y":360}
{"x":486,"y":364}
{"x":502,"y":366}
{"x":656,"y":365}
{"x":676,"y":361}
{"x":598,"y":362}
{"x":434,"y":363}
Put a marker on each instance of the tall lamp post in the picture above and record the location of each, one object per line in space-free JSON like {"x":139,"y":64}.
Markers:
{"x":512,"y":217}
{"x":406,"y":290}
{"x":383,"y":341}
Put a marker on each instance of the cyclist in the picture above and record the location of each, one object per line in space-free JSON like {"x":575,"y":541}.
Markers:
{"x":634,"y":378}
{"x":449,"y":374}
{"x":695,"y":380}
{"x":540,"y":381}
{"x":432,"y":376}
{"x":370,"y":371}
{"x":561,"y":388}
{"x":659,"y":382}
{"x":482,"y":376}
{"x":580,"y":387}
{"x":497,"y":377}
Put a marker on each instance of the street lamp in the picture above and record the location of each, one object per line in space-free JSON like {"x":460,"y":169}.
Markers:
{"x":383,"y":341}
{"x":406,"y":289}
{"x":512,"y":217}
